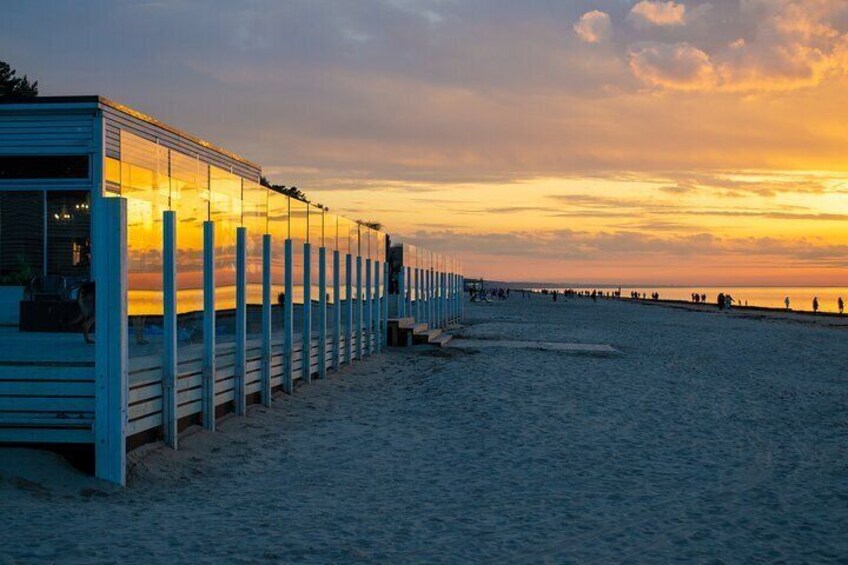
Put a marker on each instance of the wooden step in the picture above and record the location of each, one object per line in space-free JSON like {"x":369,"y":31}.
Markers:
{"x":402,"y":323}
{"x":442,"y":340}
{"x":419,"y":329}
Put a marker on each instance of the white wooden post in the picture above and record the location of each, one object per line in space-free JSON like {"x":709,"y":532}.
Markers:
{"x":385,"y":312}
{"x":443,"y":300}
{"x":111,"y":353}
{"x":209,"y":338}
{"x":169,"y":328}
{"x":462,"y":297}
{"x":337,"y":311}
{"x":239,"y":376}
{"x":452,"y":297}
{"x":432,"y":296}
{"x":408,"y":296}
{"x":306,"y":328}
{"x":266,"y":319}
{"x":349,"y":307}
{"x":417,"y":295}
{"x":401,"y":295}
{"x":360,"y":343}
{"x":288,"y":320}
{"x":322,"y":312}
{"x":368,"y":311}
{"x":377,"y":317}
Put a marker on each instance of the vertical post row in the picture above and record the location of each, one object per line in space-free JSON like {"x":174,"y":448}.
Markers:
{"x":169,"y":328}
{"x":111,"y":357}
{"x":337,"y":312}
{"x":209,"y":337}
{"x":306,"y":328}
{"x":322,"y":312}
{"x":366,"y":350}
{"x":288,"y":319}
{"x":349,"y":308}
{"x":359,"y":341}
{"x":377,"y":317}
{"x":385,"y":313}
{"x":266,"y":319}
{"x":239,"y":376}
{"x":401,"y":295}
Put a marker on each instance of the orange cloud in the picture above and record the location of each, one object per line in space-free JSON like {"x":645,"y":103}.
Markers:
{"x":652,"y":12}
{"x":593,"y":27}
{"x":680,"y":66}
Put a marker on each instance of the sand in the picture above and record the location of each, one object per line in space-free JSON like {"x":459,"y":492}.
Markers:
{"x":706,"y":437}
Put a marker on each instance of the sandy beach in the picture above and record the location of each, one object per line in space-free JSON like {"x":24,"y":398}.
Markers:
{"x":703,"y":436}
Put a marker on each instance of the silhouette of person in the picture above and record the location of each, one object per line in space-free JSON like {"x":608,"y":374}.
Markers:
{"x":815,"y":304}
{"x":840,"y":304}
{"x":786,"y":302}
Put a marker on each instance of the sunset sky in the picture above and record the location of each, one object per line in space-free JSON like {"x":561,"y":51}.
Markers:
{"x":606,"y":141}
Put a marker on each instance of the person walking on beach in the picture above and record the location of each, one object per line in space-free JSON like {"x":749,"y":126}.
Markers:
{"x":786,"y":301}
{"x":840,"y":304}
{"x":720,"y":301}
{"x":815,"y":304}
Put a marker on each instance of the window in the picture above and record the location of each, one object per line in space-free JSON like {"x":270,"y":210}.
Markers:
{"x":44,"y":167}
{"x":21,"y":236}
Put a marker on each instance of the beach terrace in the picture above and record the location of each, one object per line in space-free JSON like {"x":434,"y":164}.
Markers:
{"x":204,"y":290}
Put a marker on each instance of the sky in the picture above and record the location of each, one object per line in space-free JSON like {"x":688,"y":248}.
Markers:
{"x":693,"y":142}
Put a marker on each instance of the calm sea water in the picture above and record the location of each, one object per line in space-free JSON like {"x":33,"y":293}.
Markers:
{"x":800,"y":298}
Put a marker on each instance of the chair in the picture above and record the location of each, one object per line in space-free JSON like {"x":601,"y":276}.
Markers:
{"x":47,"y":288}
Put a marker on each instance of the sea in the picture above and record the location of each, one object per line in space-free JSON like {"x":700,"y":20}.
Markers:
{"x":800,"y":298}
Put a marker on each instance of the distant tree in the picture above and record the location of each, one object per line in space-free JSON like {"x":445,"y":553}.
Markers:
{"x":15,"y":87}
{"x":291,"y":191}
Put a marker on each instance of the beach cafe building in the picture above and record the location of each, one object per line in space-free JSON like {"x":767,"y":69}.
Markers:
{"x":207,"y":291}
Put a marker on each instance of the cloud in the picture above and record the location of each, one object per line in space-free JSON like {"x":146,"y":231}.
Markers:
{"x":679,"y":66}
{"x":769,"y":45}
{"x":609,"y":246}
{"x":656,"y":13}
{"x":593,"y":27}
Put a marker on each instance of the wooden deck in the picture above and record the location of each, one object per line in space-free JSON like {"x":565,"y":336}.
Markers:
{"x":47,"y":383}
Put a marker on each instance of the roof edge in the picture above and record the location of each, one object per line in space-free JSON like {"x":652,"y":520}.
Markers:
{"x":103,"y":101}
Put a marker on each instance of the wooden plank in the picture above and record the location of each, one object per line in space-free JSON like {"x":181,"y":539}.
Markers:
{"x":143,"y":424}
{"x":51,"y":388}
{"x":28,"y":372}
{"x":41,"y":435}
{"x":146,"y":392}
{"x":52,"y":404}
{"x":41,"y":420}
{"x":47,"y":416}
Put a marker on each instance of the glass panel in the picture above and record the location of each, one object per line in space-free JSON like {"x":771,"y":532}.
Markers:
{"x":298,"y":234}
{"x":146,"y":186}
{"x":69,"y":235}
{"x":316,"y":238}
{"x":255,"y":200}
{"x":278,"y":227}
{"x":330,"y":236}
{"x":190,"y":201}
{"x":225,"y":210}
{"x":21,"y":236}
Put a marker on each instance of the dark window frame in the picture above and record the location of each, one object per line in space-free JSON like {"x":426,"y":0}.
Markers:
{"x":43,"y":167}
